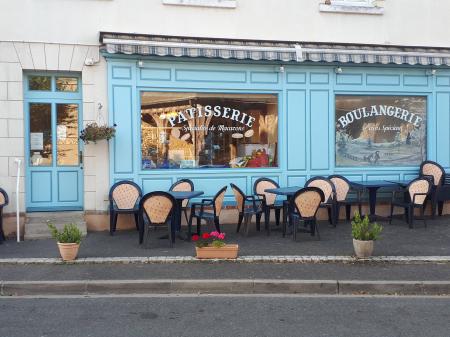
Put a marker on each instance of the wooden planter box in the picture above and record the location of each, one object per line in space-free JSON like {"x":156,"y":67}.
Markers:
{"x":225,"y":252}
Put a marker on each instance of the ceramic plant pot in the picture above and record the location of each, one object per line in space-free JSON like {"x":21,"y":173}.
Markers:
{"x":363,"y":248}
{"x":68,"y":251}
{"x":225,"y":252}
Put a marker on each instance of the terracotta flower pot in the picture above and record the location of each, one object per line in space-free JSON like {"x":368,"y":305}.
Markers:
{"x":68,"y":251}
{"x":363,"y":248}
{"x":225,"y":252}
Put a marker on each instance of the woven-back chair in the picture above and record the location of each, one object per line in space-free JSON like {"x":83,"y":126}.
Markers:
{"x":344,"y":196}
{"x":436,"y":174}
{"x":198,"y":211}
{"x":416,"y":197}
{"x":247,"y":205}
{"x":124,"y":198}
{"x":329,"y":193}
{"x":183,"y":185}
{"x":269,"y":199}
{"x":4,"y":201}
{"x":158,"y":207}
{"x":304,"y":206}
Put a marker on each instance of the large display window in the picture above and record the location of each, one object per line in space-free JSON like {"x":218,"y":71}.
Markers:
{"x":380,"y":130}
{"x":205,"y":130}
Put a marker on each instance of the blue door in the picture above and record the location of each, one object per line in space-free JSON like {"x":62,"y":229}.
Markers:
{"x":53,"y":153}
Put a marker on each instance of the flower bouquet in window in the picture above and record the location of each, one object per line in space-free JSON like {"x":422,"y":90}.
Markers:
{"x":212,"y":246}
{"x":94,"y":132}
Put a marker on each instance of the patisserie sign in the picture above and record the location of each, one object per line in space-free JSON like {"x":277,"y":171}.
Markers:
{"x":212,"y":110}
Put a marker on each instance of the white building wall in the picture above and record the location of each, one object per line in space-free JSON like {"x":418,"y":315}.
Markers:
{"x":16,"y":57}
{"x":404,"y":22}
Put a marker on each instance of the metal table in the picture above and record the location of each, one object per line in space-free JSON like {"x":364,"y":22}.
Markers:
{"x":179,"y":197}
{"x":289,"y":193}
{"x":372,"y":187}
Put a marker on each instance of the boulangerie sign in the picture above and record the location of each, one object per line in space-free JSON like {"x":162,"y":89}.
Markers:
{"x":380,"y":130}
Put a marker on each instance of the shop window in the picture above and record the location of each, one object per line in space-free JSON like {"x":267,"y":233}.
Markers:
{"x":204,"y":130}
{"x":380,"y":130}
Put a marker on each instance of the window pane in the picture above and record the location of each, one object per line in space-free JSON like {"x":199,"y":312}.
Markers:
{"x":67,"y":134}
{"x":380,"y":130}
{"x":40,"y":83}
{"x":67,"y":84}
{"x":200,"y":130}
{"x":40,"y":134}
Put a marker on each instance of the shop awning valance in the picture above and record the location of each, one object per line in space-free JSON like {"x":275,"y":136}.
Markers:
{"x":156,"y":45}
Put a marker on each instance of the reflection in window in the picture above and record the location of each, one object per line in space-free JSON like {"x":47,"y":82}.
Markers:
{"x":191,"y":130}
{"x":67,"y":84}
{"x":67,"y":134}
{"x":40,"y":83}
{"x":40,"y":134}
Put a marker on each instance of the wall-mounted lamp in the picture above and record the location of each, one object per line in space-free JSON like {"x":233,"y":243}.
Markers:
{"x":140,"y":63}
{"x":431,"y":72}
{"x":338,"y":70}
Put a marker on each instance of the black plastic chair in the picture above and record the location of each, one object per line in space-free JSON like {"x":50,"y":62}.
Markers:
{"x":417,"y":192}
{"x":185,"y":185}
{"x":216,"y":204}
{"x":158,"y":207}
{"x":303,"y":207}
{"x":344,"y":197}
{"x":436,"y":174}
{"x":269,"y":200}
{"x":329,"y":193}
{"x":248,"y":205}
{"x":4,"y":200}
{"x":124,"y":198}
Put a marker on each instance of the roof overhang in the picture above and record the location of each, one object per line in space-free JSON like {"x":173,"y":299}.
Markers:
{"x":157,"y":45}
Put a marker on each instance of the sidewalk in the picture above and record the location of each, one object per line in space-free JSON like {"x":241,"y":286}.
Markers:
{"x":396,"y":240}
{"x":224,"y":278}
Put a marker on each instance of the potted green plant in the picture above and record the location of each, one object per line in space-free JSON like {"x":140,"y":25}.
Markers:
{"x":68,"y":240}
{"x":212,"y":246}
{"x":93,"y":132}
{"x":364,"y":234}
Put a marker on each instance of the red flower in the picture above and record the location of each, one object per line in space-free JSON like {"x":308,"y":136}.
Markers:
{"x":195,"y":237}
{"x":205,"y":236}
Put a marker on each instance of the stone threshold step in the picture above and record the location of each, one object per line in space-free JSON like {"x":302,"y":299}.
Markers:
{"x":224,"y":286}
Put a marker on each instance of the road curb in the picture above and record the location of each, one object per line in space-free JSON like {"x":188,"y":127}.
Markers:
{"x":224,"y":286}
{"x":242,"y":259}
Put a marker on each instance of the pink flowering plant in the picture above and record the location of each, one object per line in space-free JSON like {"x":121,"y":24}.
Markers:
{"x":213,"y":239}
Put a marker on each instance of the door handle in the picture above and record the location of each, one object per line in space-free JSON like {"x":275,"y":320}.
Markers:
{"x":81,"y":158}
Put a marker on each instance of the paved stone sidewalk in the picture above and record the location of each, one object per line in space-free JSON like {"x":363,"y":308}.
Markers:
{"x":224,"y":270}
{"x":397,"y":240}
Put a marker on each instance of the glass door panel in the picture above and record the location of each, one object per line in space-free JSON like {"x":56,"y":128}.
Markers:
{"x":41,"y":134}
{"x":67,"y":134}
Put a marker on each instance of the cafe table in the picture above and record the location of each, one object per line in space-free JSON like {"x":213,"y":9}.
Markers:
{"x":372,"y":187}
{"x":179,"y":196}
{"x":289,"y":193}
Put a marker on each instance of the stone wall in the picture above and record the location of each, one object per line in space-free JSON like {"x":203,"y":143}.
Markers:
{"x":17,"y":57}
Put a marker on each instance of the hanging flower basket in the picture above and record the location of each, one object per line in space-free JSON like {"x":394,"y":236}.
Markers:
{"x":94,"y":132}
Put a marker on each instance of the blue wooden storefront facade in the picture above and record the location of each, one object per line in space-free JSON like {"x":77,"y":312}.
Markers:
{"x":306,"y":112}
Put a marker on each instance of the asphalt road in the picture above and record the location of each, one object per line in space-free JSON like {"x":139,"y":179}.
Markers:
{"x":225,"y":316}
